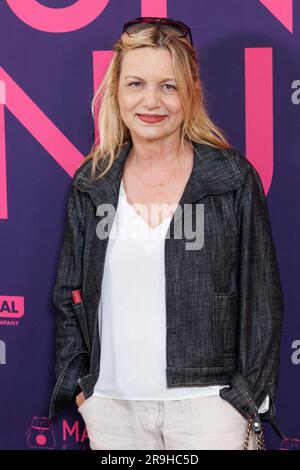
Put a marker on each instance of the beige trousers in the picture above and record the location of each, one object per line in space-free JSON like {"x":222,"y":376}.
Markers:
{"x":201,"y":423}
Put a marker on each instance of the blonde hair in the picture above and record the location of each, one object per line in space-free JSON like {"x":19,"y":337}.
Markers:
{"x":196,"y":126}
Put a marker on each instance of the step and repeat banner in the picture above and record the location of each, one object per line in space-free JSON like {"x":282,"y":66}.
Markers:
{"x":53,"y":55}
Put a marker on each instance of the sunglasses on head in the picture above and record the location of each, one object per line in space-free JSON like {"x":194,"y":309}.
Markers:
{"x":137,"y":24}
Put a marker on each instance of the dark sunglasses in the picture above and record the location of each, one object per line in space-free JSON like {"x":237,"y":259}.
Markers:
{"x":137,"y":24}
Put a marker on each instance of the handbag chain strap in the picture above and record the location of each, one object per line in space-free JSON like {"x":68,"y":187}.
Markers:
{"x":259,"y":437}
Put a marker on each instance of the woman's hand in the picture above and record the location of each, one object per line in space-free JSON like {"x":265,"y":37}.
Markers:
{"x":79,"y":399}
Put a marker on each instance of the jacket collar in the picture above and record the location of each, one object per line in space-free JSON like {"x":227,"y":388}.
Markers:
{"x":214,"y":172}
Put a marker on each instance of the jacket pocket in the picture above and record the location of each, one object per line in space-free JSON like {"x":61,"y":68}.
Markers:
{"x":80,"y":313}
{"x":66,"y":382}
{"x":225,"y":323}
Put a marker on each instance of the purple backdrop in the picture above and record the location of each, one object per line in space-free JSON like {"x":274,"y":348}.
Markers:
{"x":54,"y":70}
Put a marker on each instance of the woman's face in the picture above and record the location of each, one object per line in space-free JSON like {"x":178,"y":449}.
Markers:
{"x":147,"y":86}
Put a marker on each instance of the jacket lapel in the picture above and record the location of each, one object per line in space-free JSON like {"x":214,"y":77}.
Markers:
{"x":213,"y":172}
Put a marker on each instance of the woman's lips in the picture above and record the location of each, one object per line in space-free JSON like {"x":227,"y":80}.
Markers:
{"x":151,"y":119}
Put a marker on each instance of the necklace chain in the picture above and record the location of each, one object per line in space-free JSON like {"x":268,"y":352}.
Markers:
{"x":164,"y":183}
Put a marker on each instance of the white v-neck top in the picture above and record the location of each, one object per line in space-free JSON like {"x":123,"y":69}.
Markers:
{"x":132,"y":314}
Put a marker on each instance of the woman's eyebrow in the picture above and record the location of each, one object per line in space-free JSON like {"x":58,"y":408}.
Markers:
{"x":139,"y":78}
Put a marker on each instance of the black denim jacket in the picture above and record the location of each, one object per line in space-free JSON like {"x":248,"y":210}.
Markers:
{"x":224,"y":302}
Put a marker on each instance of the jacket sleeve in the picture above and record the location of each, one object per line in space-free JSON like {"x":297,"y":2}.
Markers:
{"x":70,"y":353}
{"x":261,"y":301}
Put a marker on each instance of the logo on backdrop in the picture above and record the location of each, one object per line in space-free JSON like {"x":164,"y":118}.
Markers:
{"x":40,"y":434}
{"x":11,"y":309}
{"x":74,"y":433}
{"x":82,"y":13}
{"x":290,"y":443}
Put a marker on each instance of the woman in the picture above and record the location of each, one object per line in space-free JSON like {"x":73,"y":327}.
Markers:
{"x":164,"y":342}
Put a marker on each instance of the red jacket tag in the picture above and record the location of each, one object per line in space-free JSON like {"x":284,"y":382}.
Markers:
{"x":76,"y":295}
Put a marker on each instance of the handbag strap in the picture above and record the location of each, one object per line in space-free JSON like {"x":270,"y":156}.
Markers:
{"x":259,"y":437}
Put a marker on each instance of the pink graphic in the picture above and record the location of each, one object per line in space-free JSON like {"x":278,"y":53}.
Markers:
{"x":11,"y":306}
{"x":282,"y":10}
{"x":57,"y":20}
{"x":259,"y":125}
{"x":40,"y":433}
{"x":2,"y":93}
{"x":40,"y":126}
{"x":3,"y":182}
{"x":259,"y":111}
{"x":74,"y":431}
{"x":154,"y":8}
{"x":290,"y":443}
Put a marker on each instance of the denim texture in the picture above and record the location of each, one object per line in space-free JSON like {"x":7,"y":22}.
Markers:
{"x":224,"y":302}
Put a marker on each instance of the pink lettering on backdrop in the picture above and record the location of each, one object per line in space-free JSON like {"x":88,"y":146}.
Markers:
{"x":154,"y":8}
{"x":259,"y":111}
{"x":57,"y":20}
{"x":11,"y":306}
{"x":74,"y":431}
{"x":282,"y":10}
{"x":3,"y":182}
{"x":69,"y":431}
{"x":41,"y":128}
{"x":258,"y":90}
